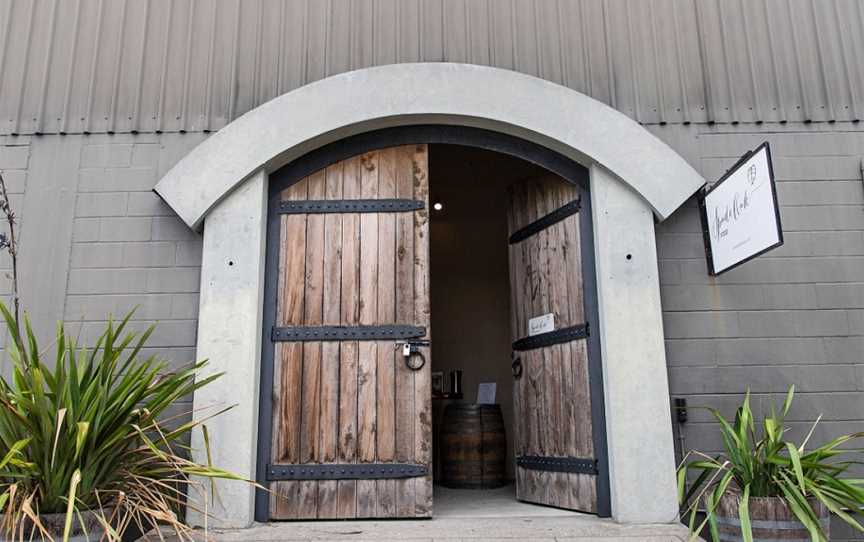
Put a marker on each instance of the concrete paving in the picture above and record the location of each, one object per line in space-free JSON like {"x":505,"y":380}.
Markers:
{"x":582,"y":528}
{"x":464,"y":515}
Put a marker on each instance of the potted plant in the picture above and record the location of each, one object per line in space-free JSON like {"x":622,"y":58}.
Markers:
{"x":89,"y":446}
{"x":764,"y":487}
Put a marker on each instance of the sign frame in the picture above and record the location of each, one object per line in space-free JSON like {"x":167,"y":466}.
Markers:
{"x":703,"y":214}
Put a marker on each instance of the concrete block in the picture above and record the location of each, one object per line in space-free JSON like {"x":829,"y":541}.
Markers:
{"x":146,"y":154}
{"x":184,"y":306}
{"x":820,"y":193}
{"x":96,"y":255}
{"x":844,"y":349}
{"x":99,"y":307}
{"x":773,"y":270}
{"x":807,"y":168}
{"x":173,"y":280}
{"x":693,"y":325}
{"x":823,"y":323}
{"x":14,"y":157}
{"x":16,"y":180}
{"x":125,"y":179}
{"x":170,"y":333}
{"x":189,"y":253}
{"x":794,"y":144}
{"x":171,"y":228}
{"x":706,"y":438}
{"x":822,"y":217}
{"x":767,"y":324}
{"x":670,"y":272}
{"x":798,"y":168}
{"x":763,"y":379}
{"x":680,"y":245}
{"x":125,"y":229}
{"x":101,"y":204}
{"x":147,"y":204}
{"x":100,"y":255}
{"x":771,"y":351}
{"x":689,"y":352}
{"x":175,"y":146}
{"x":175,"y":356}
{"x":789,"y":296}
{"x":93,"y":180}
{"x":839,"y":296}
{"x":693,"y":297}
{"x":133,"y":179}
{"x":856,"y":322}
{"x":149,"y":254}
{"x":808,"y":405}
{"x":107,"y":281}
{"x":85,"y":229}
{"x":684,"y":220}
{"x":106,"y":155}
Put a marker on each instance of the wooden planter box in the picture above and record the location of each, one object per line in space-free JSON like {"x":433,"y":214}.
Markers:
{"x":770,"y":519}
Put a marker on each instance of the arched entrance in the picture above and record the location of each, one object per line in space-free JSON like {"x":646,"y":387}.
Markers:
{"x":223,"y":184}
{"x":348,"y":402}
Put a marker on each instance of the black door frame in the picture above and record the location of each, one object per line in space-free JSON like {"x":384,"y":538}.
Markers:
{"x":334,"y":152}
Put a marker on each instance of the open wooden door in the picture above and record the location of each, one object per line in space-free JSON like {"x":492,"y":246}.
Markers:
{"x":555,"y":455}
{"x":351,"y":434}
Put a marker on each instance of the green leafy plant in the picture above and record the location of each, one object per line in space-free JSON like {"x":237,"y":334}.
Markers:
{"x":91,"y":433}
{"x":765,"y":464}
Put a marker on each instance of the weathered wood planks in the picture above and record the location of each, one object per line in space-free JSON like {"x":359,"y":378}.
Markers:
{"x":353,"y":401}
{"x":552,"y":399}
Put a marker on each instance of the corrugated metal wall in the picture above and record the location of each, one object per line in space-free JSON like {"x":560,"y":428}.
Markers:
{"x":73,"y":66}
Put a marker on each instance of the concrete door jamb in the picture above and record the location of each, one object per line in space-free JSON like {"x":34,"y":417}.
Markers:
{"x":222,"y":185}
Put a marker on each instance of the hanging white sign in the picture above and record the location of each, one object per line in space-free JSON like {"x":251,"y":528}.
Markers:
{"x":740,"y":215}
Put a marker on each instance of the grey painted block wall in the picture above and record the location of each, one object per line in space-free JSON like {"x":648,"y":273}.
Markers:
{"x":795,"y":315}
{"x":792,"y":316}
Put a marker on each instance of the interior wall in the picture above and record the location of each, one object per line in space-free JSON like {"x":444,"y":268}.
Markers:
{"x":470,"y":288}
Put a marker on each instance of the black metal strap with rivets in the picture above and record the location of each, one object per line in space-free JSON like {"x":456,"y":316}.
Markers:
{"x":346,"y":471}
{"x":303,"y":207}
{"x":577,"y":465}
{"x":563,"y":335}
{"x":346,"y":333}
{"x":544,"y":222}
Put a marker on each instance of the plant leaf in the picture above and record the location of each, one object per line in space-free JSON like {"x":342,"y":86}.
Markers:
{"x":744,"y":514}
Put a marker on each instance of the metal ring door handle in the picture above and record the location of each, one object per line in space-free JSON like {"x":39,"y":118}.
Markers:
{"x":516,"y":367}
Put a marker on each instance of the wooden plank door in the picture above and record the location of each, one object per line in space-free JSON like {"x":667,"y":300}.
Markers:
{"x":554,"y":442}
{"x":351,"y":421}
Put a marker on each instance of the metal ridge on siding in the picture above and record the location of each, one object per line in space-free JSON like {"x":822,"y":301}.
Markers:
{"x":91,"y":66}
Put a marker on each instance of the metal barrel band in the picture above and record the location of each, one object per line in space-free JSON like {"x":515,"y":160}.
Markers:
{"x":303,"y":207}
{"x":790,"y":525}
{"x":550,"y":338}
{"x":544,"y":222}
{"x":345,"y":471}
{"x":345,"y":333}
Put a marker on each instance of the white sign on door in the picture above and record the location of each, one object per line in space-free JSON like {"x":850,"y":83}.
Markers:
{"x":740,"y":215}
{"x":541,"y":324}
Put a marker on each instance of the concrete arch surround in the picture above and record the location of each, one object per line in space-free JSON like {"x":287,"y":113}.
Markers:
{"x":222,"y":185}
{"x":566,"y":121}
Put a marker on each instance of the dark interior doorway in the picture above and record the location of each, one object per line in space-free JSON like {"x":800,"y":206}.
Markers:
{"x":471,"y":313}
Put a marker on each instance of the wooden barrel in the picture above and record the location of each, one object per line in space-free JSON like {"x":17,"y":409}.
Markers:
{"x":473,"y":447}
{"x":770,"y":519}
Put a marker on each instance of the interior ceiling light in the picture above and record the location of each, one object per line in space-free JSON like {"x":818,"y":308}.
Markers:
{"x":438,"y":206}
